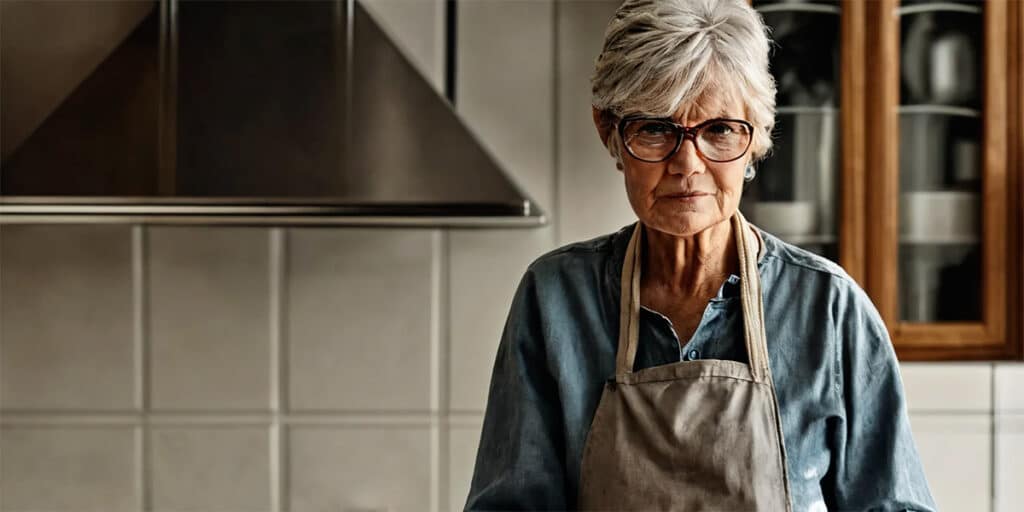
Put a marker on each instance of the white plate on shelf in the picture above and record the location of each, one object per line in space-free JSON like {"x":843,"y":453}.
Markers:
{"x":945,"y":216}
{"x":939,"y":241}
{"x":786,"y":218}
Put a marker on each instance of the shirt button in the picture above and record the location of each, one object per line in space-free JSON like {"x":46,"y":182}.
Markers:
{"x":692,"y":355}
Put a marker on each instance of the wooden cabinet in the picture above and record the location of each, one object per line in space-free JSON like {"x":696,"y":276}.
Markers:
{"x":899,"y":133}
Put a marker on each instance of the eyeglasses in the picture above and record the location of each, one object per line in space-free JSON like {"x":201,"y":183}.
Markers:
{"x":656,"y":139}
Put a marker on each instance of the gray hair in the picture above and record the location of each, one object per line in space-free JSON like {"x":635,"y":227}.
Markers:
{"x":659,"y":54}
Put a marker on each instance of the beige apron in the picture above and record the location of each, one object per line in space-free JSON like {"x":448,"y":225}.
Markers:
{"x":690,"y":435}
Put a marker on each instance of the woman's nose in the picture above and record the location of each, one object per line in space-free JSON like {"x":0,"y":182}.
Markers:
{"x":686,"y":160}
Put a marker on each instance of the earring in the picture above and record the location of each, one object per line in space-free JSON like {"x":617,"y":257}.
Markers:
{"x":749,"y":174}
{"x":618,"y":165}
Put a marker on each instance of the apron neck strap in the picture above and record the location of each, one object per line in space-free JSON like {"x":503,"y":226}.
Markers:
{"x":752,"y":300}
{"x":750,"y":296}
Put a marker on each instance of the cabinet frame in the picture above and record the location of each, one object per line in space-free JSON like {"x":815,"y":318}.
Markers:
{"x":853,"y":136}
{"x":997,"y":335}
{"x":869,"y":244}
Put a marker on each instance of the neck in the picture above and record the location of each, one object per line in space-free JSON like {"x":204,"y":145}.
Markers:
{"x":693,"y":265}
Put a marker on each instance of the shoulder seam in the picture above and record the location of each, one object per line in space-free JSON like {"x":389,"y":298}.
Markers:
{"x":778,"y":245}
{"x":583,"y":245}
{"x":570,"y":248}
{"x":824,"y":270}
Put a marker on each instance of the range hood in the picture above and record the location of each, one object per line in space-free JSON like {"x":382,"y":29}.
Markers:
{"x":239,"y":112}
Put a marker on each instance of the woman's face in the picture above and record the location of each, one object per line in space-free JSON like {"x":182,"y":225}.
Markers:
{"x":686,"y":194}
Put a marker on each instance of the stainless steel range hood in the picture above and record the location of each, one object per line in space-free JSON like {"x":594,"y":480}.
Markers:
{"x":241,"y":112}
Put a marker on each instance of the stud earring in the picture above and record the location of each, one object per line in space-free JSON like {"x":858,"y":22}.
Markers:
{"x":749,"y":174}
{"x":618,"y":165}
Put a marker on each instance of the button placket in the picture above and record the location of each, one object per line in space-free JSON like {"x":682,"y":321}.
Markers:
{"x":707,"y":327}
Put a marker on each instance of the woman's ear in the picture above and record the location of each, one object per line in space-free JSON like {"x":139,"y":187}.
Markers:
{"x":603,"y":123}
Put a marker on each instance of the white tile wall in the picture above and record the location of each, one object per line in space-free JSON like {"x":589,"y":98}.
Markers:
{"x":208,"y":310}
{"x":200,"y":469}
{"x":58,"y":469}
{"x":956,"y":452}
{"x":591,"y":193}
{"x":1009,"y":443}
{"x":358,"y":318}
{"x":66,"y":330}
{"x":1009,"y":387}
{"x":379,"y":467}
{"x":382,"y":333}
{"x":936,"y":387}
{"x":465,"y":437}
{"x":1009,"y":462}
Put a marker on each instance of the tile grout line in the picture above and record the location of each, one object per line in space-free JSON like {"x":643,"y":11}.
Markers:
{"x":327,"y":417}
{"x":446,"y":351}
{"x":276,"y":247}
{"x":439,"y":347}
{"x":2,"y":410}
{"x":556,"y":118}
{"x":140,"y":285}
{"x":283,"y":381}
{"x":262,"y":417}
{"x":993,"y":431}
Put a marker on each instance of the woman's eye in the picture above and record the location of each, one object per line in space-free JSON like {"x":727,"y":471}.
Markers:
{"x":654,"y":129}
{"x":719,"y":129}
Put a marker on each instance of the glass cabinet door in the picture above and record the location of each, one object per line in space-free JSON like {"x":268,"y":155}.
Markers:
{"x":940,"y":167}
{"x":796,"y":194}
{"x":937,"y":190}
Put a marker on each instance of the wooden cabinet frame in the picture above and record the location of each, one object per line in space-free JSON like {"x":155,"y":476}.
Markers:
{"x":852,"y":48}
{"x":870,"y":172}
{"x":998,"y":334}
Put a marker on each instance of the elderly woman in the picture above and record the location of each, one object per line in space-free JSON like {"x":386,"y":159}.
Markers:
{"x":641,"y":370}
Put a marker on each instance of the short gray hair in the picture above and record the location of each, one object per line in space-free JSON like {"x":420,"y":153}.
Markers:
{"x":659,"y":54}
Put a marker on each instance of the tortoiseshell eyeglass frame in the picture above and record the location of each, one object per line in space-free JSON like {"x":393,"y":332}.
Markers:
{"x":682,"y":133}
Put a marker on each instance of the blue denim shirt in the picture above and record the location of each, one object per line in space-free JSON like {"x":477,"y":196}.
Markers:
{"x":844,"y":420}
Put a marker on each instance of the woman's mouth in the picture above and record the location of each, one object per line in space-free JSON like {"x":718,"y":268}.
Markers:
{"x":686,"y":196}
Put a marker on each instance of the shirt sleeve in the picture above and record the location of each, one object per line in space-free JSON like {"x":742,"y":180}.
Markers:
{"x":875,"y":463}
{"x":520,"y":459}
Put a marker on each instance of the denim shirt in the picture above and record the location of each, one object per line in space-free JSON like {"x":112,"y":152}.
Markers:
{"x":844,"y":420}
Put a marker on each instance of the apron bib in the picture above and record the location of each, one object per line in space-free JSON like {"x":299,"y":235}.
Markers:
{"x":690,"y":435}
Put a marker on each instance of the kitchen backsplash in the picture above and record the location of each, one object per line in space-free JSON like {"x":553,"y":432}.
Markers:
{"x":332,"y":369}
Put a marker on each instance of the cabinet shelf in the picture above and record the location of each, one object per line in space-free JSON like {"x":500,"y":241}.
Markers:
{"x":954,"y":240}
{"x":812,"y":8}
{"x":808,"y":109}
{"x":937,"y":7}
{"x":935,"y":109}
